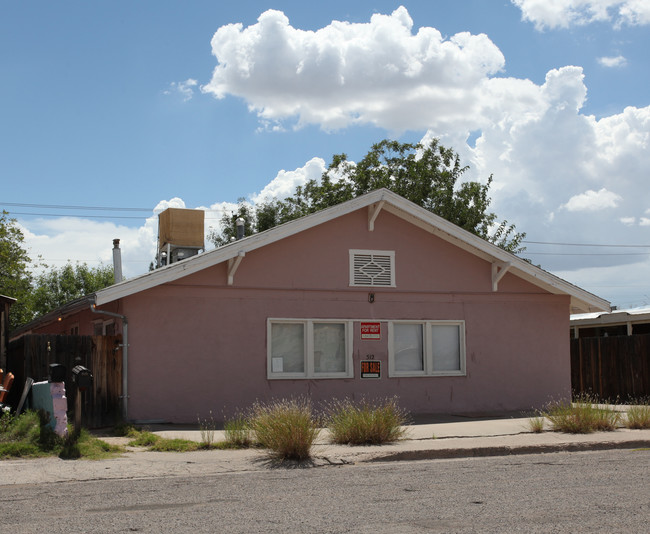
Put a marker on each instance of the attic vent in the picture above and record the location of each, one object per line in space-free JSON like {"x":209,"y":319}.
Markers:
{"x":372,"y":268}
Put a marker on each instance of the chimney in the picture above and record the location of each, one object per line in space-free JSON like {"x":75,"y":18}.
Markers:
{"x":240,"y":228}
{"x":117,"y":261}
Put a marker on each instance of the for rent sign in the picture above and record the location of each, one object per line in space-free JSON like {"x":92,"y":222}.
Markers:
{"x":370,"y":330}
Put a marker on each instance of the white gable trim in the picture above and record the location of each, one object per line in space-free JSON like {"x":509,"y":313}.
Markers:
{"x":581,"y":300}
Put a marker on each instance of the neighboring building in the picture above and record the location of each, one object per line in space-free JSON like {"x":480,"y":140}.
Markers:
{"x":615,"y":323}
{"x":374,"y":297}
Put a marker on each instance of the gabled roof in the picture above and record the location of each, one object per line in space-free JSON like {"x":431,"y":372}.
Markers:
{"x":375,"y":201}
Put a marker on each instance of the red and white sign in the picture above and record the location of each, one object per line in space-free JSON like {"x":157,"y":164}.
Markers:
{"x":370,"y":330}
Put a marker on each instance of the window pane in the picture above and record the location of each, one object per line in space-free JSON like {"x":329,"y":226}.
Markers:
{"x":408,"y":347}
{"x":288,"y":348}
{"x":329,"y":348}
{"x":446,"y":347}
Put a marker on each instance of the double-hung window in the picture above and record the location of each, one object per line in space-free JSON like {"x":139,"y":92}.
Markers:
{"x":426,"y":348}
{"x":309,"y":348}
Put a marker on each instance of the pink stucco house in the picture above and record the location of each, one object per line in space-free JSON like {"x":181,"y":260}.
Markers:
{"x":374,"y":297}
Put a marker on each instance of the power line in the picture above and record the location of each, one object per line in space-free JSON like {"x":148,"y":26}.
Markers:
{"x":62,"y":207}
{"x":526,"y":253}
{"x":85,"y":208}
{"x":94,"y":216}
{"x":583,"y":244}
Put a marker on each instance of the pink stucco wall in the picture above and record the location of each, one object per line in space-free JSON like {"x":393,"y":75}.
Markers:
{"x":198,"y":345}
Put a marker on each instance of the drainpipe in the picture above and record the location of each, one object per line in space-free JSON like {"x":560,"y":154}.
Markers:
{"x":125,"y":355}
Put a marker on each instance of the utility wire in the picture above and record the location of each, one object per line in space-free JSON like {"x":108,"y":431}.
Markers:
{"x":85,"y":208}
{"x":62,"y":207}
{"x":527,"y":253}
{"x":94,"y":216}
{"x":584,"y":244}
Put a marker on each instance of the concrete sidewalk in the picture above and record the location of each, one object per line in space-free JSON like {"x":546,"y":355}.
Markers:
{"x":453,"y":438}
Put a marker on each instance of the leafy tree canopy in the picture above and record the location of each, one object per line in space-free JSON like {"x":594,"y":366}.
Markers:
{"x":428,"y":175}
{"x":229,"y":224}
{"x":38,"y":294}
{"x":57,"y":286}
{"x":15,"y":274}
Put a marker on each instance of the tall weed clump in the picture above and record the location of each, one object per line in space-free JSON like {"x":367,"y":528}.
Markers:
{"x":365,"y":422}
{"x":287,"y":428}
{"x":238,"y":433}
{"x":638,"y":416}
{"x":582,"y":416}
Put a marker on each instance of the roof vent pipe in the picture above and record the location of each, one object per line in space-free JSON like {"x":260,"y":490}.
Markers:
{"x":240,"y":228}
{"x":117,"y":261}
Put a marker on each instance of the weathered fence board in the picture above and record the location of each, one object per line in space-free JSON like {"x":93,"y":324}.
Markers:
{"x":31,"y":356}
{"x":610,"y":368}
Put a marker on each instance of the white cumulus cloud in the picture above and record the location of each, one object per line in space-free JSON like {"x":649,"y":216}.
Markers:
{"x":378,"y":72}
{"x":610,"y":62}
{"x":553,"y":14}
{"x":593,"y":201}
{"x":285,"y":182}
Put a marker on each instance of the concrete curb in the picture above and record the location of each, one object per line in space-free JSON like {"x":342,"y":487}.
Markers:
{"x":478,"y":452}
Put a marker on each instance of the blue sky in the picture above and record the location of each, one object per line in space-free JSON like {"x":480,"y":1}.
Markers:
{"x":135,"y":105}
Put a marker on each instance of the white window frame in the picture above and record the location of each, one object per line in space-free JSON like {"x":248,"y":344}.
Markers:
{"x":427,"y":348}
{"x":309,"y":372}
{"x":389,"y":253}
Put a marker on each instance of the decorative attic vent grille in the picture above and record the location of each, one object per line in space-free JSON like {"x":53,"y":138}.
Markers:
{"x":372,"y":268}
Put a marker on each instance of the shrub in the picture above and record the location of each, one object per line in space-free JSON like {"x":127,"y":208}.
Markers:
{"x":365,"y":423}
{"x":286,"y":427}
{"x":638,"y":416}
{"x":581,"y":417}
{"x":25,"y":427}
{"x":238,"y":433}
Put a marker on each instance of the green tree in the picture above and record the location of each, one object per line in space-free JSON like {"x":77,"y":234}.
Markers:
{"x":15,"y":274}
{"x":428,"y":175}
{"x":57,"y":286}
{"x":228,"y":224}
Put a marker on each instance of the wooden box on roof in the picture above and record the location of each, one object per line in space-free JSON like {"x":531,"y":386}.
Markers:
{"x":181,"y":227}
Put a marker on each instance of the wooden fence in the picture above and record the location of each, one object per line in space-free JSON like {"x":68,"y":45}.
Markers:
{"x":31,"y":356}
{"x":610,"y":368}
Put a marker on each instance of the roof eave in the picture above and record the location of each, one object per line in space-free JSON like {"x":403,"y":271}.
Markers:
{"x":581,"y":300}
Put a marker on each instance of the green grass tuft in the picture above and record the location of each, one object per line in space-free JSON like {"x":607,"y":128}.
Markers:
{"x":238,"y":433}
{"x":638,"y":416}
{"x":175,"y":445}
{"x":287,"y":428}
{"x":365,"y":422}
{"x":582,"y":417}
{"x":143,"y":438}
{"x":536,"y":424}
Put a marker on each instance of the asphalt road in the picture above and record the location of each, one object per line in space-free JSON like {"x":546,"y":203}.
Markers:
{"x":558,"y":492}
